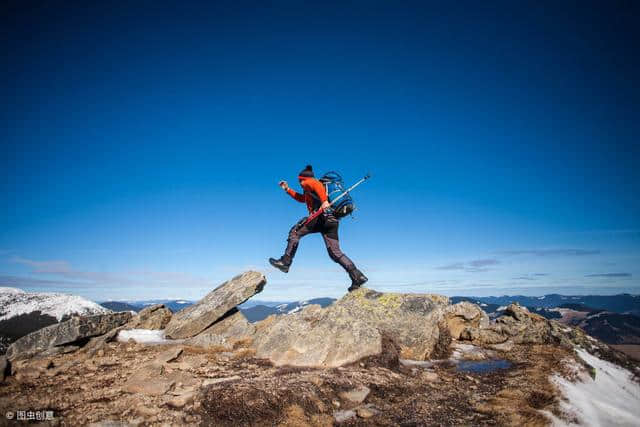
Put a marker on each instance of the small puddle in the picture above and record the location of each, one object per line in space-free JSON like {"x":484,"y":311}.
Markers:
{"x":482,"y":366}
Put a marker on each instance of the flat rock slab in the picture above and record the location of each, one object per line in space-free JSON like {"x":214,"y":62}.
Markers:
{"x":169,"y":355}
{"x":74,"y":329}
{"x":196,"y":318}
{"x":147,"y":380}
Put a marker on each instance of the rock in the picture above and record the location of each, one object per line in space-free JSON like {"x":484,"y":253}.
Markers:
{"x":517,"y":326}
{"x":430,"y":376}
{"x":196,"y":318}
{"x":357,"y":395}
{"x":505,"y":346}
{"x":147,"y":411}
{"x":342,"y":416}
{"x":99,"y":342}
{"x":232,"y":327}
{"x":4,"y":368}
{"x":169,"y":355}
{"x":67,"y":332}
{"x":210,"y":381}
{"x":148,"y":386}
{"x":182,"y":400}
{"x":156,"y":316}
{"x":463,"y":315}
{"x":352,"y":328}
{"x":148,"y":380}
{"x":364,"y":412}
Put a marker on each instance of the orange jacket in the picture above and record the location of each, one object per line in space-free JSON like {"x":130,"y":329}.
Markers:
{"x":310,"y":185}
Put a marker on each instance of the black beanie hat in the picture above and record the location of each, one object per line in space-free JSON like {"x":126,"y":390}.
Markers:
{"x":306,"y":172}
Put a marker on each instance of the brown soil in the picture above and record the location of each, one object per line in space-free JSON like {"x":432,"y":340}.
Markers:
{"x":88,"y":390}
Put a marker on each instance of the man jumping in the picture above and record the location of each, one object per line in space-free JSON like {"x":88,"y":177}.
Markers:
{"x":315,"y":196}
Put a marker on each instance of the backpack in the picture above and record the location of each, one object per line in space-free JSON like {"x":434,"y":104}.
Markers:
{"x":334,"y":185}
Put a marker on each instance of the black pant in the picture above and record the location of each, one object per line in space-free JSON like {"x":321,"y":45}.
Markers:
{"x":327,"y":224}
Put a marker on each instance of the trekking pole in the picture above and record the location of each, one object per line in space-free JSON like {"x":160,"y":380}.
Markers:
{"x":319,"y":211}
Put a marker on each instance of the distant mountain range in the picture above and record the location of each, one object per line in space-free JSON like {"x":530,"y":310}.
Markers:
{"x":621,"y":303}
{"x":258,"y":312}
{"x":171,"y":304}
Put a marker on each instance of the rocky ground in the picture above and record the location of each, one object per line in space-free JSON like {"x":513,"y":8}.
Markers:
{"x":370,"y":358}
{"x":176,"y":385}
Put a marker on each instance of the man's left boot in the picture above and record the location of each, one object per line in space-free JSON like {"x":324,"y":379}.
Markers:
{"x":357,"y":279}
{"x":281,"y":264}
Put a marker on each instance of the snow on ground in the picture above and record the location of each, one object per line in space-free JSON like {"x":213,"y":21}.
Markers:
{"x":54,"y":304}
{"x":11,"y":290}
{"x":295,"y":310}
{"x":612,"y":399}
{"x":145,"y":336}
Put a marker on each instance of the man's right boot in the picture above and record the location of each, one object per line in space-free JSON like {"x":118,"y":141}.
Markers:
{"x":281,"y":264}
{"x":357,"y":279}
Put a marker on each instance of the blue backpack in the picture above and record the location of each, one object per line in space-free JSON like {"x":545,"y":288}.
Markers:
{"x":334,"y":185}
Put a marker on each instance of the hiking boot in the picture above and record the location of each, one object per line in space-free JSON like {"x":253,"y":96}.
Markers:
{"x":280,"y":264}
{"x":357,"y":279}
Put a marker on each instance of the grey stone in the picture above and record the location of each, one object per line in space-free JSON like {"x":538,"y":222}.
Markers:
{"x":342,"y":416}
{"x":67,"y":332}
{"x":182,"y":400}
{"x":357,"y":395}
{"x":364,"y":412}
{"x":233,"y":327}
{"x":155,"y":316}
{"x":196,"y":318}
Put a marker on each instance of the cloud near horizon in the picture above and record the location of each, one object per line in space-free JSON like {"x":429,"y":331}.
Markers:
{"x":475,"y":266}
{"x":61,"y":273}
{"x":609,"y":275}
{"x":553,"y":252}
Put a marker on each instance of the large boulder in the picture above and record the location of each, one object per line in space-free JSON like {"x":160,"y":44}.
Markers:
{"x":196,"y":318}
{"x":75,"y":329}
{"x":464,"y":315}
{"x":156,"y":316}
{"x":516,"y":326}
{"x":353,"y":328}
{"x":233,"y":327}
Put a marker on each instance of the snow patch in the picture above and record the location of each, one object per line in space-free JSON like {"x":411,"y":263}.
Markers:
{"x":542,"y":297}
{"x":182,"y":302}
{"x":11,"y":290}
{"x":295,"y":310}
{"x":609,"y":400}
{"x":53,"y":304}
{"x":145,"y":336}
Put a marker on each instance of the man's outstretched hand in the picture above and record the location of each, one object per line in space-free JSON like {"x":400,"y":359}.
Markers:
{"x":284,"y":185}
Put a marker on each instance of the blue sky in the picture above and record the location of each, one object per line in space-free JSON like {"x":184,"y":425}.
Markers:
{"x":143,"y":144}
